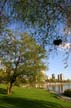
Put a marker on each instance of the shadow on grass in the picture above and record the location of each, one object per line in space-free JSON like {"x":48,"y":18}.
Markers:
{"x":28,"y":103}
{"x":3,"y":106}
{"x":3,"y":91}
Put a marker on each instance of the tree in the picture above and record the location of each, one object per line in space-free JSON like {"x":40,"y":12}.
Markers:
{"x":32,"y":79}
{"x":36,"y":79}
{"x":42,"y":15}
{"x":20,"y":55}
{"x":45,"y":14}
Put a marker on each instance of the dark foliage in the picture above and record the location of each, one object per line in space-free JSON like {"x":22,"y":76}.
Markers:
{"x":67,"y":92}
{"x":57,"y":42}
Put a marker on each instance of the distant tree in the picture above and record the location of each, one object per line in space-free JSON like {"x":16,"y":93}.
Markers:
{"x":32,"y":79}
{"x":36,"y":79}
{"x":20,"y":55}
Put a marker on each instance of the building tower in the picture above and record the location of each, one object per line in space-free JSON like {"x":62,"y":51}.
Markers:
{"x":53,"y":76}
{"x":61,"y":77}
{"x":58,"y":77}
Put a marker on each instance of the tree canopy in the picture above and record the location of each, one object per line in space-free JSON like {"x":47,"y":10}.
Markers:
{"x":42,"y":15}
{"x":20,"y":55}
{"x":45,"y":14}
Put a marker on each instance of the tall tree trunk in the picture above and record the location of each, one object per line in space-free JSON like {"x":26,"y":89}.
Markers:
{"x":9,"y":88}
{"x":12,"y":80}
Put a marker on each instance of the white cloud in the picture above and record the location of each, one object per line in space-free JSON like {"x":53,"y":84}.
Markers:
{"x":65,"y":46}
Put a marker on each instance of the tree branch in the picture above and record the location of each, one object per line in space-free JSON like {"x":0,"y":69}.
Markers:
{"x":3,"y":4}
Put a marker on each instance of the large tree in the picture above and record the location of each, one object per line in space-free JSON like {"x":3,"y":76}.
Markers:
{"x":42,"y":15}
{"x":20,"y":55}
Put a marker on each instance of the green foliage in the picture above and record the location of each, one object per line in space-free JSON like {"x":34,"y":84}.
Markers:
{"x":67,"y":92}
{"x":3,"y":76}
{"x":45,"y":14}
{"x":21,"y":55}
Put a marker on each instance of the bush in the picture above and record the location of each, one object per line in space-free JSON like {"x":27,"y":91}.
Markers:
{"x":67,"y":92}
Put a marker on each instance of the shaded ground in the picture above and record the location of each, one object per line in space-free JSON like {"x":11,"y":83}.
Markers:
{"x":26,"y":103}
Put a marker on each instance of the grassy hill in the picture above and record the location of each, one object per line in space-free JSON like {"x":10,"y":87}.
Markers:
{"x":30,"y":98}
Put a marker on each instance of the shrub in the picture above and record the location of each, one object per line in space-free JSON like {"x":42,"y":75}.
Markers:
{"x":67,"y":92}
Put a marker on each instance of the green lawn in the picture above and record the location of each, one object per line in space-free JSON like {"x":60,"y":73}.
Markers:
{"x":30,"y":98}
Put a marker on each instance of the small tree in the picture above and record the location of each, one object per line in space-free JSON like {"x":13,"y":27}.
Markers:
{"x":37,"y":79}
{"x":20,"y":55}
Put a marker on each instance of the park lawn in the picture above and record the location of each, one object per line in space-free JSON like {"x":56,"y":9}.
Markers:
{"x":30,"y":98}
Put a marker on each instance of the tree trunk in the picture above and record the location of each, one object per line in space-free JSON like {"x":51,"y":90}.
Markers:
{"x":12,"y":80}
{"x":9,"y":88}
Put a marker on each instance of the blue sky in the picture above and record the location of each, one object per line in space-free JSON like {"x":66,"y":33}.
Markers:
{"x":56,"y":61}
{"x":56,"y":65}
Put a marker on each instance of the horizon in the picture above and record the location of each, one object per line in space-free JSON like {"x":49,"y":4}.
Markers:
{"x":57,"y":65}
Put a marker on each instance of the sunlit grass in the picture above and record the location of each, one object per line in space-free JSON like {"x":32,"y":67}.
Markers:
{"x":30,"y":98}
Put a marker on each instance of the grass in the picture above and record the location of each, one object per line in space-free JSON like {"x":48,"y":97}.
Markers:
{"x":30,"y":98}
